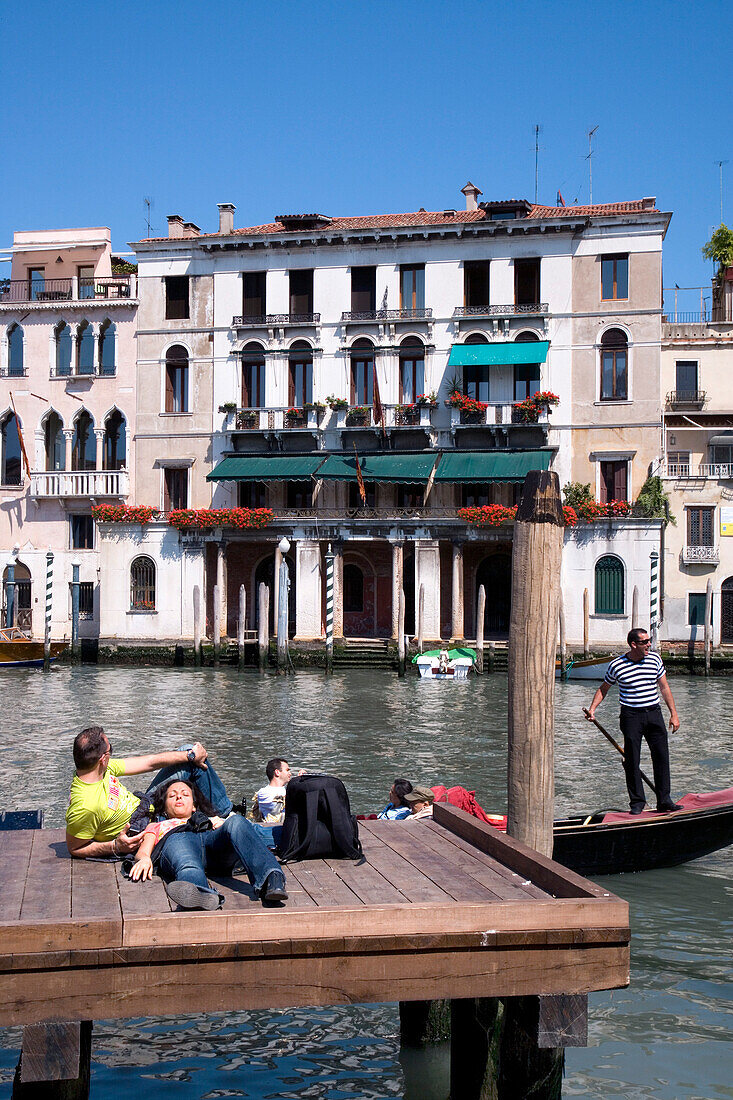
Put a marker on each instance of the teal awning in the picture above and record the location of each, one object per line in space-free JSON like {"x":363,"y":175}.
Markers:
{"x":467,"y":467}
{"x":399,"y":468}
{"x":266,"y":468}
{"x":486,"y":355}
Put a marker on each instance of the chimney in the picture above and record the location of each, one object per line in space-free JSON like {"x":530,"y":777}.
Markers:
{"x":472,"y":193}
{"x":175,"y":225}
{"x":648,"y":203}
{"x":226,"y":217}
{"x":190,"y":229}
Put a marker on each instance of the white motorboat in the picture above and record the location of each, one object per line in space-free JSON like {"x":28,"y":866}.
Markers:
{"x":445,"y":664}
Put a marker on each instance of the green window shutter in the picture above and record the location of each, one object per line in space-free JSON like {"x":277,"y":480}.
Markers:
{"x":609,"y":586}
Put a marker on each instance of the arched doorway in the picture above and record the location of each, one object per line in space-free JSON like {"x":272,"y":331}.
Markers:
{"x":495,"y":574}
{"x":726,"y":612}
{"x":23,"y":612}
{"x":265,"y":572}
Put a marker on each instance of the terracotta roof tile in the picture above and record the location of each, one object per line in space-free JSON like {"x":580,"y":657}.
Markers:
{"x":636,"y":206}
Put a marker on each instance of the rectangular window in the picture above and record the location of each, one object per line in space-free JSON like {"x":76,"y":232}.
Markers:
{"x":86,"y":600}
{"x":301,"y":292}
{"x":253,"y":385}
{"x":176,"y":387}
{"x":410,"y":496}
{"x":678,"y":463}
{"x":175,"y":488}
{"x":362,"y":381}
{"x":36,"y":282}
{"x":252,"y":494}
{"x":696,"y":609}
{"x":412,"y":286}
{"x":721,"y":455}
{"x":299,"y":494}
{"x":476,"y":382}
{"x":526,"y":380}
{"x":81,"y":531}
{"x":412,"y":377}
{"x":614,"y":374}
{"x":85,"y":276}
{"x":527,"y":282}
{"x":614,"y":481}
{"x":254,"y":302}
{"x":300,"y":382}
{"x":176,"y":297}
{"x":355,"y":501}
{"x":700,"y":527}
{"x":363,"y":289}
{"x":686,"y":379}
{"x":476,"y":284}
{"x":614,"y":277}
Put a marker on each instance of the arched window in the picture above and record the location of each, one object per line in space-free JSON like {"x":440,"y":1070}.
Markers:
{"x":55,"y":442}
{"x":115,"y":442}
{"x":84,"y":446}
{"x":526,"y":375}
{"x":412,"y":369}
{"x":12,"y":472}
{"x":142,"y":584}
{"x":353,"y":588}
{"x":476,"y":376}
{"x":614,"y":365}
{"x":362,"y":373}
{"x":15,"y":351}
{"x":300,"y":374}
{"x":609,"y":586}
{"x":63,"y":349}
{"x":176,"y":380}
{"x":107,"y":348}
{"x":22,"y":605}
{"x":253,"y":376}
{"x":85,"y":349}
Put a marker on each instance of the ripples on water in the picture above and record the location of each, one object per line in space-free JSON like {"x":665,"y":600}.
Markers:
{"x":667,"y":1037}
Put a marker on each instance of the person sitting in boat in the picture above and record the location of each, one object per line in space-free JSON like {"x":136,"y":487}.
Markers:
{"x":420,"y":800}
{"x":103,"y":817}
{"x":188,"y":840}
{"x":397,"y":808}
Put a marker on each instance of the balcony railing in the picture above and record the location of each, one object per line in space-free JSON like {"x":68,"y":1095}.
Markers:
{"x":720,"y":471}
{"x":80,"y":483}
{"x":706,"y":554}
{"x":533,"y":309}
{"x":387,"y":315}
{"x":275,"y":419}
{"x":496,"y":414}
{"x":65,"y":290}
{"x":94,"y":372}
{"x":686,"y":399}
{"x":268,"y":320}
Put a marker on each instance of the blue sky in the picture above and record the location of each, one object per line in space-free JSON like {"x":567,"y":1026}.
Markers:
{"x":351,"y":108}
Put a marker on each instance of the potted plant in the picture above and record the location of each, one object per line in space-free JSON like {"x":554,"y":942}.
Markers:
{"x":294,"y":417}
{"x":466,"y":410}
{"x":229,"y":409}
{"x":408,"y":414}
{"x":314,"y":410}
{"x":428,"y":399}
{"x":337,"y":403}
{"x":358,"y":416}
{"x":247,"y":418}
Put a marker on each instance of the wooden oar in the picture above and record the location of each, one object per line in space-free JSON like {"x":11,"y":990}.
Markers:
{"x":616,"y":745}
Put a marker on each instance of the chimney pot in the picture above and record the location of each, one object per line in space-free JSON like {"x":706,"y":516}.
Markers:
{"x":175,"y":225}
{"x":648,"y":203}
{"x":226,"y":217}
{"x":472,"y":193}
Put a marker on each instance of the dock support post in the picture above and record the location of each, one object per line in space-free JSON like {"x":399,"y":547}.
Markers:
{"x":196,"y":625}
{"x":474,"y":1049}
{"x":420,"y":617}
{"x":401,"y":635}
{"x":263,"y":627}
{"x":54,"y":1062}
{"x":708,"y":624}
{"x":563,"y":644}
{"x":635,"y":608}
{"x":424,"y":1029}
{"x":329,"y":609}
{"x":241,"y":625}
{"x":47,"y":623}
{"x":586,"y":623}
{"x":217,"y":625}
{"x":283,"y":585}
{"x":480,"y":612}
{"x":491,"y":661}
{"x":75,"y":646}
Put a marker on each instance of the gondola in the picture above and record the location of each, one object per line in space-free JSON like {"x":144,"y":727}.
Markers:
{"x":17,"y":650}
{"x":613,"y":842}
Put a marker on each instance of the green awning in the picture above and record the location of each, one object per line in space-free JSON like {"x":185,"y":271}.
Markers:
{"x":399,"y":468}
{"x":266,"y":468}
{"x":486,"y":355}
{"x":466,"y":467}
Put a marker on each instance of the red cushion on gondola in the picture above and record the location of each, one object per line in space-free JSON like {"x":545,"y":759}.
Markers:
{"x":688,"y":802}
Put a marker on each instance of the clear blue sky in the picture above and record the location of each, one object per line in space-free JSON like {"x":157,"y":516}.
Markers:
{"x":348,"y":108}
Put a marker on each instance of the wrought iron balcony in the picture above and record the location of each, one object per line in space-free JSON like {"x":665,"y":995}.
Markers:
{"x":693,"y":555}
{"x":270,"y":320}
{"x":386,"y":315}
{"x":534,"y":309}
{"x":65,"y":290}
{"x":720,"y":471}
{"x":80,"y":483}
{"x":686,"y":399}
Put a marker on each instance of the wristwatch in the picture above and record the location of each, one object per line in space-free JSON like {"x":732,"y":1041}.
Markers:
{"x":191,"y":756}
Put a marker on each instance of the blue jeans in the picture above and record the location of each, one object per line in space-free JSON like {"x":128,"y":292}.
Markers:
{"x":205,"y":780}
{"x":189,"y":856}
{"x":270,"y":833}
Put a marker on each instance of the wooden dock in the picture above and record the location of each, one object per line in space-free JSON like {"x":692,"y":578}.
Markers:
{"x":449,"y":908}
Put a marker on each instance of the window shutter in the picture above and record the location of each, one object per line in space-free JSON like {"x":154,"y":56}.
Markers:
{"x":609,"y":586}
{"x":619,"y":486}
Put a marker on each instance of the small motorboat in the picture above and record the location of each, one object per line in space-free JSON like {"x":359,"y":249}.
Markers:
{"x":592,"y":668}
{"x":17,"y":650}
{"x":445,"y":664}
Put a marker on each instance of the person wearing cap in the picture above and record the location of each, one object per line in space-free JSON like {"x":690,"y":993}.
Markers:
{"x":420,"y":800}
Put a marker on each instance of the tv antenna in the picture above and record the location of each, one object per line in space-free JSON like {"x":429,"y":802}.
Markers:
{"x":537,"y":132}
{"x":720,"y":164}
{"x":589,"y":158}
{"x":148,"y":204}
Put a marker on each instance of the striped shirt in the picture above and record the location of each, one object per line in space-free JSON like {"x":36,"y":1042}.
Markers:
{"x":637,"y":680}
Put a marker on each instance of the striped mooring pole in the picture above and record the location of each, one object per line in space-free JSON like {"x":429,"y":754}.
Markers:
{"x":329,"y":610}
{"x":47,"y":629}
{"x":653,"y":596}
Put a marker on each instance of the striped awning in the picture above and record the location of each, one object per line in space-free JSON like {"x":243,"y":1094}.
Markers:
{"x":478,"y":467}
{"x":266,"y":468}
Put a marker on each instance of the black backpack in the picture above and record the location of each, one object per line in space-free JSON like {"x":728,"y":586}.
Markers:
{"x":318,"y":820}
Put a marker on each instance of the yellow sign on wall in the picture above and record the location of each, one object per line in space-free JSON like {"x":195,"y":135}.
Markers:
{"x":726,"y":521}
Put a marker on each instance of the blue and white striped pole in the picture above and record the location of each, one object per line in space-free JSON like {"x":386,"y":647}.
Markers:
{"x":653,"y":596}
{"x":329,"y":609}
{"x":47,"y":629}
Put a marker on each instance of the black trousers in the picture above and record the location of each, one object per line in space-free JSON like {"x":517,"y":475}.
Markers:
{"x":647,"y":723}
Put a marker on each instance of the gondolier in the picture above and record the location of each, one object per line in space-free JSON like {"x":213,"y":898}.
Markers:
{"x":641,"y":678}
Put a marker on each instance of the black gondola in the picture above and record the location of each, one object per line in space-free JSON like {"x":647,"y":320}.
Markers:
{"x":594,"y":845}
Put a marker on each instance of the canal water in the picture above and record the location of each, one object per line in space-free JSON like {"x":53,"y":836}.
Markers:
{"x":667,"y":1037}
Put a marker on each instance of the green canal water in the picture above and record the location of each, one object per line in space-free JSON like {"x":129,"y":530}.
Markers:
{"x":666,"y":1037}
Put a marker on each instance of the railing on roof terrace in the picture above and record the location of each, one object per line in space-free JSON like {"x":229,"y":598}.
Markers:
{"x":114,"y":286}
{"x":387,"y":315}
{"x":527,"y":310}
{"x":265,"y":320}
{"x":65,"y":290}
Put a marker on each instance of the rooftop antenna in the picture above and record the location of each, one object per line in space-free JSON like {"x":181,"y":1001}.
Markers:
{"x":720,"y":164}
{"x":537,"y":132}
{"x":589,"y":158}
{"x":148,"y":204}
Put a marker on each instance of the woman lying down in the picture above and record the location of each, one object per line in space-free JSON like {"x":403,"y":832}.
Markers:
{"x":188,"y":840}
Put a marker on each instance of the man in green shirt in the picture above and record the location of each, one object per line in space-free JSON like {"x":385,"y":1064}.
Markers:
{"x":100,"y":806}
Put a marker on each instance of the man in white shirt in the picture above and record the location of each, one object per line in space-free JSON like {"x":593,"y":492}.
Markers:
{"x":270,"y":800}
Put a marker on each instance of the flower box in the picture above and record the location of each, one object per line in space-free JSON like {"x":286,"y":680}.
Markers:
{"x":295,"y":418}
{"x":122,"y":513}
{"x":358,"y":417}
{"x":247,"y":418}
{"x":406,"y":415}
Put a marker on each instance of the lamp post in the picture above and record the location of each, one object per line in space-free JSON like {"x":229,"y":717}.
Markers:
{"x":282,"y":608}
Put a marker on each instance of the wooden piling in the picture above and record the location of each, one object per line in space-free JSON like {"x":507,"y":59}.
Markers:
{"x":480,"y":611}
{"x":491,"y":659}
{"x":563,"y":644}
{"x":263,"y":627}
{"x":401,"y":657}
{"x":217,"y":625}
{"x":708,"y":624}
{"x":54,"y":1062}
{"x":420,"y":617}
{"x":241,"y":625}
{"x":586,"y":623}
{"x":196,"y":625}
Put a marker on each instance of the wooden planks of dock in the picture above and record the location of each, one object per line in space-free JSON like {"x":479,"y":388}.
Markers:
{"x":448,"y":908}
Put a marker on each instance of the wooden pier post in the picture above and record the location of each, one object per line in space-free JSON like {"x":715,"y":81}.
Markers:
{"x":480,"y":611}
{"x":401,"y":635}
{"x":283,"y":587}
{"x":635,"y":608}
{"x":217,"y":625}
{"x":586,"y":623}
{"x":420,"y":617}
{"x":242,"y":623}
{"x":196,"y":625}
{"x":491,"y":660}
{"x":54,"y":1062}
{"x":708,"y":624}
{"x":263,"y":627}
{"x":563,"y":644}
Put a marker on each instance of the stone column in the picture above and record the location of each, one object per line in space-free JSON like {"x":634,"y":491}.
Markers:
{"x":427,"y":573}
{"x":398,"y":554}
{"x":338,"y":589}
{"x":275,"y":594}
{"x":221,"y":580}
{"x":99,"y":460}
{"x":40,"y":461}
{"x":457,"y":625}
{"x":69,"y":442}
{"x":307,"y":590}
{"x":74,"y":349}
{"x":95,"y":356}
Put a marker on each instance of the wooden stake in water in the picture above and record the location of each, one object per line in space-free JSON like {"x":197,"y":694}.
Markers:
{"x":47,"y":626}
{"x":241,"y":625}
{"x":263,"y":626}
{"x":329,"y":609}
{"x":480,"y":613}
{"x":586,"y":623}
{"x":420,"y":616}
{"x":563,"y":645}
{"x":708,"y":624}
{"x":217,"y":625}
{"x":401,"y":635}
{"x":283,"y":585}
{"x":196,"y":625}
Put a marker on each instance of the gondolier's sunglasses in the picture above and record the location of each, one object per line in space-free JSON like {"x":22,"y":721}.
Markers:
{"x":646,"y":642}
